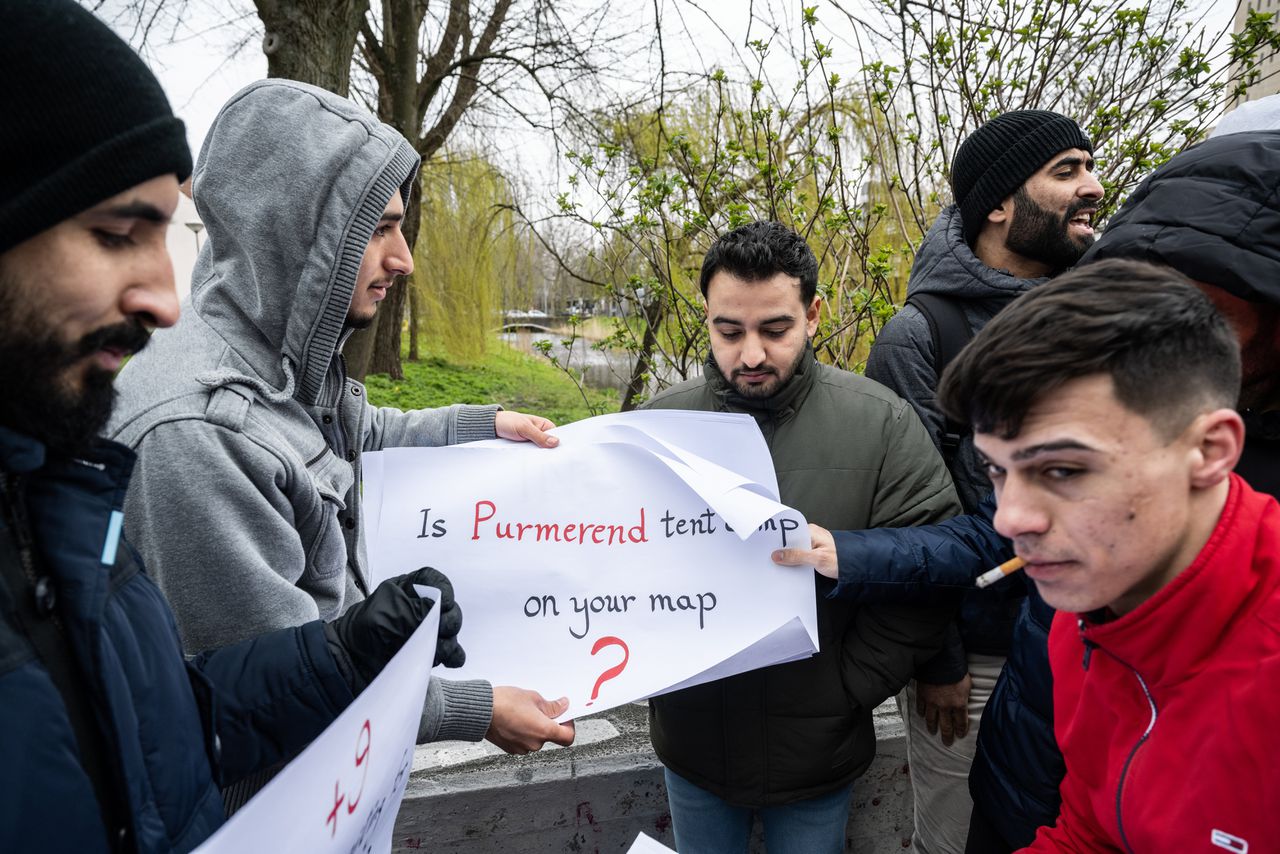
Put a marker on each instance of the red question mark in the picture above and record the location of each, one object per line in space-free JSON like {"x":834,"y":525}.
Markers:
{"x":612,"y":671}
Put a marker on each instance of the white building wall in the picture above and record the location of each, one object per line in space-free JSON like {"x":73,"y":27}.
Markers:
{"x":183,"y":243}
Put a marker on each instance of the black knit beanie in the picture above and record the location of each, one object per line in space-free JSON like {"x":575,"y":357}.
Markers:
{"x":1000,"y":156}
{"x":83,"y":118}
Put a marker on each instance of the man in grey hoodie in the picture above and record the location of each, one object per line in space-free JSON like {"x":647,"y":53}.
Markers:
{"x":1025,"y":195}
{"x":249,"y":431}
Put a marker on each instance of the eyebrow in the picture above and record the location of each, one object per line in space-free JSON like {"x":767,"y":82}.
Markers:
{"x":1071,"y":160}
{"x":782,"y":318}
{"x":391,"y":217}
{"x":1050,"y":447}
{"x":135,"y":210}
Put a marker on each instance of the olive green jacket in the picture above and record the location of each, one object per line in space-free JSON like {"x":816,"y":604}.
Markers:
{"x":849,"y":454}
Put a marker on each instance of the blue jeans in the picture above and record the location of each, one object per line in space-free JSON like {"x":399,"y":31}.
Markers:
{"x":704,"y":824}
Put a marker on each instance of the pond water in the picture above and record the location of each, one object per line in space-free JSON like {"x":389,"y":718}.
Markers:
{"x":602,"y":368}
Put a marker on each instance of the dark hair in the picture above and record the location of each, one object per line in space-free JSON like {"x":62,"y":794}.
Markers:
{"x":1165,"y":347}
{"x":761,"y":250}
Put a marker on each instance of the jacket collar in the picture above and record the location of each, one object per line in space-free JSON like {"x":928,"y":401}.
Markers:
{"x":20,"y":453}
{"x":945,"y":264}
{"x":105,"y":463}
{"x":1167,"y":637}
{"x":781,"y":405}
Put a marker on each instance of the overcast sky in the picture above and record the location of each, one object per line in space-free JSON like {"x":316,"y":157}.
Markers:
{"x":210,"y":53}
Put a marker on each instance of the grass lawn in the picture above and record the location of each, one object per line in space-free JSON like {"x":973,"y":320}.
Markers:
{"x":506,"y":376}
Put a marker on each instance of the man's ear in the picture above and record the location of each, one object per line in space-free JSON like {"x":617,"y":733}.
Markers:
{"x":1003,"y":213}
{"x":1217,"y":440}
{"x":811,"y":316}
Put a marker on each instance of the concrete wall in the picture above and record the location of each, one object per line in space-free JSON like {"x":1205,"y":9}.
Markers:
{"x":595,"y":798}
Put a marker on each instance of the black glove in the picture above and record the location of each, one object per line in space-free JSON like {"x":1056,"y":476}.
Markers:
{"x":371,"y":632}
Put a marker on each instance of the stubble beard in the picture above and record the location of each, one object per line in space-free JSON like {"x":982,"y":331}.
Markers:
{"x":767,"y":389}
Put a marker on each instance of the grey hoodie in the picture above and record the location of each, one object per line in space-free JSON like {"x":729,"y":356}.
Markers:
{"x":248,"y":430}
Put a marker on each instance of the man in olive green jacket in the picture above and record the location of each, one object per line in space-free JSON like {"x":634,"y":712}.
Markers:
{"x":787,"y":741}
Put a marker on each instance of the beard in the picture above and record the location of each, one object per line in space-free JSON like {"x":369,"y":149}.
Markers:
{"x":41,"y":399}
{"x":770,"y":387}
{"x":1043,"y":236}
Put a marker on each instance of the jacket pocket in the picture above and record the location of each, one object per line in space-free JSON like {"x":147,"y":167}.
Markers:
{"x":326,"y":543}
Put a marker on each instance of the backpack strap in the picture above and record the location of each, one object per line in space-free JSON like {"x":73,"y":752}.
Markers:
{"x":950,"y":331}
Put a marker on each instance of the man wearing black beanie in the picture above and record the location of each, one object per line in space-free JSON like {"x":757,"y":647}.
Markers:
{"x":111,"y":741}
{"x":1025,"y":195}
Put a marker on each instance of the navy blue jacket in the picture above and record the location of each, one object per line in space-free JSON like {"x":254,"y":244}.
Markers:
{"x":1016,"y":771}
{"x":1017,"y":768}
{"x":164,"y":733}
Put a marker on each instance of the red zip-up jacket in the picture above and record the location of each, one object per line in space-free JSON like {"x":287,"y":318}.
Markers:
{"x":1169,"y":717}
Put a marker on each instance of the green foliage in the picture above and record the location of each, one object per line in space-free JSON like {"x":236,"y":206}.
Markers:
{"x":503,"y":376}
{"x":467,"y":247}
{"x":861,"y":168}
{"x":1144,"y":79}
{"x":655,"y":187}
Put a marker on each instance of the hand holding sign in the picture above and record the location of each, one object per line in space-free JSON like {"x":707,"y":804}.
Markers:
{"x":371,"y":632}
{"x":523,"y":721}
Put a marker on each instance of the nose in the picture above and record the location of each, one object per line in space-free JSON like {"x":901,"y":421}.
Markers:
{"x":1017,"y":512}
{"x":152,"y":297}
{"x":1090,"y":188}
{"x":753,"y":354}
{"x":399,"y":258}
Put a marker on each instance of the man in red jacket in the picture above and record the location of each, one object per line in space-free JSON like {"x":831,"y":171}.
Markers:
{"x":1103,"y":404}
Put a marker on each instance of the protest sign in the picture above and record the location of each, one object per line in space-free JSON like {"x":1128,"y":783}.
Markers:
{"x":632,"y":558}
{"x":343,"y":791}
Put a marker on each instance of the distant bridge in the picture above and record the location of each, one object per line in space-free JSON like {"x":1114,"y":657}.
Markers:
{"x":526,"y":326}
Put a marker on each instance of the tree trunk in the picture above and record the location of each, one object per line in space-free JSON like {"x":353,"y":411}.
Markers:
{"x":385,"y":358}
{"x":395,"y":62}
{"x":311,"y":40}
{"x":403,"y":100}
{"x":643,"y":367}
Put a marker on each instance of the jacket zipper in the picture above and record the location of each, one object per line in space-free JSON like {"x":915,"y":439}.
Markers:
{"x":1089,"y":647}
{"x":1134,"y":752}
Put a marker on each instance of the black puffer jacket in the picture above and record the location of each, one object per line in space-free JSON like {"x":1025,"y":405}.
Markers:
{"x":1213,"y":213}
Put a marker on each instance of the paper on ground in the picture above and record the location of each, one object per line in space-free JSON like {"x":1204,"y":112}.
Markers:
{"x":342,"y":792}
{"x":646,"y":844}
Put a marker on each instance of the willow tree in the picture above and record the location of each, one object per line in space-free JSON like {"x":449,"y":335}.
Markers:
{"x":425,"y":67}
{"x":462,"y":261}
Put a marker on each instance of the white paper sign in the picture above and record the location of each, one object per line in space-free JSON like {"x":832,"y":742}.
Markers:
{"x":343,"y":791}
{"x":632,"y":558}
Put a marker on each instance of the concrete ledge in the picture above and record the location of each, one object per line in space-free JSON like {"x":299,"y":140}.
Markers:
{"x":596,"y":798}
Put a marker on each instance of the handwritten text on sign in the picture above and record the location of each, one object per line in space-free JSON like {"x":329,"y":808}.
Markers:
{"x":617,"y":553}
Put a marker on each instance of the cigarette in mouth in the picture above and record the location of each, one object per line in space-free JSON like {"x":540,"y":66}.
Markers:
{"x":991,"y":576}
